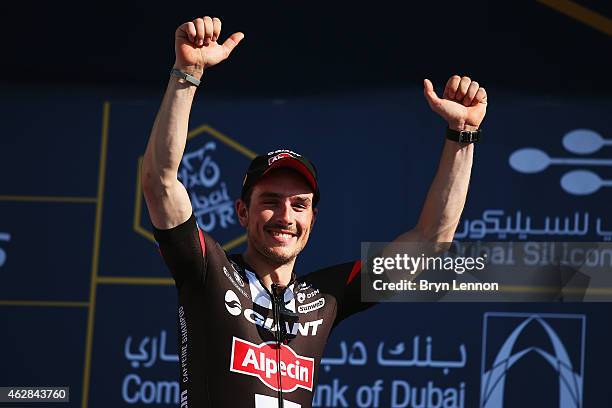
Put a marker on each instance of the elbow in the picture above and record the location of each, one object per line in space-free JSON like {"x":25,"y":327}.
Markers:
{"x":153,"y":183}
{"x":150,"y":189}
{"x":147,"y":177}
{"x":440,"y":238}
{"x":439,"y":230}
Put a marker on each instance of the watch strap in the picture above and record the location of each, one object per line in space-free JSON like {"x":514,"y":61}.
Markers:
{"x":183,"y":75}
{"x":463,"y":136}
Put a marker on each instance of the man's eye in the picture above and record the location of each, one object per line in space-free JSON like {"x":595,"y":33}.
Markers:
{"x":300,"y":206}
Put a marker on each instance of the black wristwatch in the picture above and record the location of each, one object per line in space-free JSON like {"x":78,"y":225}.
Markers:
{"x":464,"y":136}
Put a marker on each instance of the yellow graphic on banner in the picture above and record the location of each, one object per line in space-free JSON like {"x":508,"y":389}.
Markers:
{"x":582,"y":14}
{"x":95,"y":255}
{"x":49,"y":199}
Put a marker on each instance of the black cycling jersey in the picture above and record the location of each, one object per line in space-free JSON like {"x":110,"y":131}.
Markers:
{"x":241,"y":345}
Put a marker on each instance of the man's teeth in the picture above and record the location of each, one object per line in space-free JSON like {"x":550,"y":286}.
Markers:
{"x":281,"y":234}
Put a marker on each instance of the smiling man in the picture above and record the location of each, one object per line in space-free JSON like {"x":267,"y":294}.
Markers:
{"x":251,"y":333}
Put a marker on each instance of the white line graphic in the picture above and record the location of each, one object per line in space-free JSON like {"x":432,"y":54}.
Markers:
{"x":583,"y":182}
{"x":584,"y":141}
{"x":530,"y":160}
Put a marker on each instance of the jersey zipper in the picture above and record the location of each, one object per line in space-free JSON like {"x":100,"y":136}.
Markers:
{"x":277,"y":295}
{"x":277,"y":324}
{"x":278,"y":337}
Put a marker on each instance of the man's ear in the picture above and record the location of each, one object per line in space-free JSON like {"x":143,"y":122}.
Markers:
{"x":243,"y":212}
{"x":315,"y":211}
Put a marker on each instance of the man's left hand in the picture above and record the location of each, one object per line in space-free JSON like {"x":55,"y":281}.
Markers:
{"x":463,"y":104}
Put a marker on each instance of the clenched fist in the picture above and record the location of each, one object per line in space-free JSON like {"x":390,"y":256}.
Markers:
{"x":196,"y":46}
{"x":463,"y":104}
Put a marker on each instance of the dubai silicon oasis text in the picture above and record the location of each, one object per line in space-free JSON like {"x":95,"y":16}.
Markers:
{"x":573,"y":254}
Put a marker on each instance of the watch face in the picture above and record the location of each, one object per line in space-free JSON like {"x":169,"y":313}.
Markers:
{"x":468,"y":136}
{"x":464,"y":136}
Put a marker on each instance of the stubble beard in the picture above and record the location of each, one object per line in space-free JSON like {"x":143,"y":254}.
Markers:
{"x":276,"y":258}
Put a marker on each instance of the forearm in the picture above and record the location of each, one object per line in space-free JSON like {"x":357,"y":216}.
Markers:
{"x":447,"y":194}
{"x":196,"y":48}
{"x":463,"y":107}
{"x":169,"y":134}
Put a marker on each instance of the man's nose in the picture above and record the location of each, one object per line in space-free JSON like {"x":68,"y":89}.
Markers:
{"x":285,"y":213}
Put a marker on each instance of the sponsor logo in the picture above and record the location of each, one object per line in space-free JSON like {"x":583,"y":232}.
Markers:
{"x":310,"y":307}
{"x":301,"y":297}
{"x":232,"y":303}
{"x":261,"y":361}
{"x":232,"y":278}
{"x":184,"y":400}
{"x":576,"y":182}
{"x":303,"y":286}
{"x":305,"y":329}
{"x":501,"y":223}
{"x":238,"y":278}
{"x":184,"y":344}
{"x":556,"y":340}
{"x":310,"y":295}
{"x":234,"y":307}
{"x":137,"y":390}
{"x":278,"y":157}
{"x":284,"y":151}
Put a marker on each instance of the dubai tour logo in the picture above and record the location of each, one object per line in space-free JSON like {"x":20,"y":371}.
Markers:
{"x":210,"y":200}
{"x":532,"y":360}
{"x":581,"y":142}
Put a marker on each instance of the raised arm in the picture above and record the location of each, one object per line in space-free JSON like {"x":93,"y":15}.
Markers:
{"x":463,"y":106}
{"x":196,"y":49}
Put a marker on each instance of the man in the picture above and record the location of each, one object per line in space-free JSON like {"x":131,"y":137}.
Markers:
{"x":251,"y":334}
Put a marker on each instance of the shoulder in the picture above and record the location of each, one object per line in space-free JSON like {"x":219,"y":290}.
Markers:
{"x":187,"y":231}
{"x":337,"y":275}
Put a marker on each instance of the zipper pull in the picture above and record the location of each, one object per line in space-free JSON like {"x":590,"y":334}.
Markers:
{"x":277,"y":290}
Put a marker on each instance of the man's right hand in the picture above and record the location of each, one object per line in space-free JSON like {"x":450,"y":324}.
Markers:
{"x":196,"y":46}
